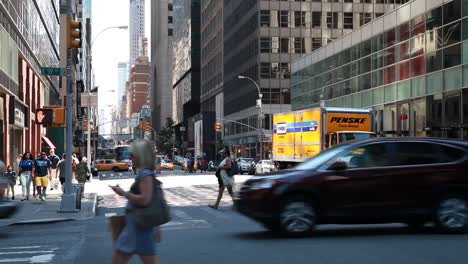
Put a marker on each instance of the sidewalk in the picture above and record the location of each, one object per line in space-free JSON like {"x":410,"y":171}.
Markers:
{"x":34,"y":211}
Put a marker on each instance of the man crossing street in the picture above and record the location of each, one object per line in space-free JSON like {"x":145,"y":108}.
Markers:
{"x":41,"y":175}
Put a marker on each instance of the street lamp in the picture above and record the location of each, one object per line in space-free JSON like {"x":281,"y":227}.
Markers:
{"x":260,"y":113}
{"x":88,"y":140}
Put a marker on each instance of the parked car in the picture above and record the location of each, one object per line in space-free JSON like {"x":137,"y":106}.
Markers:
{"x":264,"y":166}
{"x":111,"y":165}
{"x":244,"y":164}
{"x":166,"y":165}
{"x":381,"y":180}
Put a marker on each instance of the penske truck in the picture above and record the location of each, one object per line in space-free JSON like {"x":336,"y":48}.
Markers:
{"x":302,"y":134}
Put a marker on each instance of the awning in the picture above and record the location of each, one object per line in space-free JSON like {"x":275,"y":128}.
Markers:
{"x":48,"y":142}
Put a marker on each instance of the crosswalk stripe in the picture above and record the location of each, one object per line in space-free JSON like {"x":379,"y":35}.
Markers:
{"x":35,"y":259}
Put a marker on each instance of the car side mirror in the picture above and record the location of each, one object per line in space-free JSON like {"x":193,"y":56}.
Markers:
{"x":338,"y":166}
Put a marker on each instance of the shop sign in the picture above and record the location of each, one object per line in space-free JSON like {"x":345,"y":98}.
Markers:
{"x":18,"y":113}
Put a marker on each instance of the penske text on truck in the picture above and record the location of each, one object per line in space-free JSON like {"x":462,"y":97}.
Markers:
{"x":299,"y":135}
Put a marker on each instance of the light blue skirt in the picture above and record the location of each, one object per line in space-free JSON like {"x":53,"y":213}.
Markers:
{"x":134,"y":240}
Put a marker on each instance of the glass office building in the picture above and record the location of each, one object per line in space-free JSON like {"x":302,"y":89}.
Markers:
{"x":410,"y":66}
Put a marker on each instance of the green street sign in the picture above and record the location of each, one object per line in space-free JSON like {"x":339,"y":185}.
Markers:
{"x":52,"y":71}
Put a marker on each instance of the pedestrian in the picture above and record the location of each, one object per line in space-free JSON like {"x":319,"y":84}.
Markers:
{"x":61,"y":172}
{"x":202,"y":165}
{"x":26,"y":166}
{"x":41,"y":175}
{"x":192,"y":165}
{"x":133,"y":239}
{"x":54,"y":159}
{"x":224,"y":180}
{"x":11,"y":181}
{"x":82,"y":172}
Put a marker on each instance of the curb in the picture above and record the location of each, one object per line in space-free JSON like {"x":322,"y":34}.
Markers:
{"x":59,"y":219}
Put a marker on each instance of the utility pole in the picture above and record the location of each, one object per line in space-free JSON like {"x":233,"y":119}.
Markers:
{"x":68,"y":203}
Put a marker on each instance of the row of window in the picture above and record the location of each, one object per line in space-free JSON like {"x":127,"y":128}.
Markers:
{"x":423,"y":34}
{"x":275,"y":70}
{"x":307,"y":19}
{"x":289,"y":45}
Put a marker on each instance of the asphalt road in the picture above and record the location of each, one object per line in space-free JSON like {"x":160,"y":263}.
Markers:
{"x":198,"y":234}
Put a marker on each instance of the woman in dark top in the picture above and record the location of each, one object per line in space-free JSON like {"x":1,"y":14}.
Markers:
{"x":10,"y":174}
{"x":25,"y":168}
{"x":133,"y":239}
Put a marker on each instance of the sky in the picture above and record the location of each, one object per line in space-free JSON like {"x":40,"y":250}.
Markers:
{"x":112,"y":46}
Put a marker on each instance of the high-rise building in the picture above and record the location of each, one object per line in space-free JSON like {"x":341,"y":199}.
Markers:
{"x":161,"y":62}
{"x":186,"y":68}
{"x":23,"y":88}
{"x":136,"y":29}
{"x":409,"y":66}
{"x":261,"y":39}
{"x":122,"y":71}
{"x":137,"y":89}
{"x":211,"y":96}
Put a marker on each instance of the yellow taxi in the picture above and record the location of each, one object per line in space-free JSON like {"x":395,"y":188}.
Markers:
{"x":111,"y":165}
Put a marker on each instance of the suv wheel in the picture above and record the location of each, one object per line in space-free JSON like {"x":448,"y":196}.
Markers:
{"x":451,"y":214}
{"x":297,"y":217}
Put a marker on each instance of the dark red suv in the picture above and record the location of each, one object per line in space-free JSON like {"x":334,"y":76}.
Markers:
{"x":383,"y":180}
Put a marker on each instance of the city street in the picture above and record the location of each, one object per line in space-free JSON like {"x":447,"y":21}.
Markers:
{"x":199,"y":234}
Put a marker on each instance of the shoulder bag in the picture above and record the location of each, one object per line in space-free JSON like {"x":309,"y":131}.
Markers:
{"x":156,"y":213}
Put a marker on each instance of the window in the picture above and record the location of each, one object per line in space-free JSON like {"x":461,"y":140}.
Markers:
{"x":452,"y":56}
{"x":299,"y":45}
{"x":316,"y":43}
{"x":265,"y":70}
{"x":170,"y":31}
{"x":284,"y":45}
{"x":265,"y":45}
{"x":316,"y":19}
{"x":300,"y":19}
{"x":169,"y":19}
{"x":170,"y":7}
{"x":389,"y":39}
{"x":364,"y":18}
{"x":348,"y":20}
{"x":378,"y":15}
{"x":403,"y":32}
{"x":434,"y":61}
{"x":332,"y":20}
{"x":452,"y":34}
{"x":284,"y":19}
{"x":274,"y":70}
{"x":418,"y":153}
{"x":285,"y":70}
{"x":451,"y":11}
{"x":265,"y":18}
{"x":274,"y":22}
{"x":374,"y":155}
{"x":434,"y":19}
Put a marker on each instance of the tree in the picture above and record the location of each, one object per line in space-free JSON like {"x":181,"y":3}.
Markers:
{"x":164,"y":141}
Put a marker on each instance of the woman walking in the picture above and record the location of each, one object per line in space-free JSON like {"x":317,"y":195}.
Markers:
{"x":11,"y":178}
{"x":82,"y":172}
{"x":25,"y":172}
{"x":224,"y":180}
{"x":135,"y":240}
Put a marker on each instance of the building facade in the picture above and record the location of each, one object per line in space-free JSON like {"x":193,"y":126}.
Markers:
{"x":211,"y":71}
{"x":186,"y":68}
{"x":161,"y":62}
{"x":29,"y":40}
{"x":122,"y":72}
{"x":137,"y":89}
{"x":136,"y":29}
{"x":410,"y":66}
{"x":261,"y":39}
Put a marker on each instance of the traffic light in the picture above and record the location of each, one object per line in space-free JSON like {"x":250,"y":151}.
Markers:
{"x":218,"y":127}
{"x":44,"y":116}
{"x":50,"y":116}
{"x":73,"y":34}
{"x":144,"y":125}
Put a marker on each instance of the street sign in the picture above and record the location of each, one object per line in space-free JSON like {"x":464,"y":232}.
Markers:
{"x":52,"y":71}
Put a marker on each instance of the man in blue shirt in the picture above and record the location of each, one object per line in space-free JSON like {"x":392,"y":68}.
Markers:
{"x":41,"y":175}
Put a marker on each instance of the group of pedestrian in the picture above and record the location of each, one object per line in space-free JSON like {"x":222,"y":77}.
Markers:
{"x":41,"y":172}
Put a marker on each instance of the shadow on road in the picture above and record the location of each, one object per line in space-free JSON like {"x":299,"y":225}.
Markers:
{"x":343,"y":232}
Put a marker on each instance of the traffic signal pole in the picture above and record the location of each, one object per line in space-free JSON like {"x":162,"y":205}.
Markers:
{"x":68,"y":203}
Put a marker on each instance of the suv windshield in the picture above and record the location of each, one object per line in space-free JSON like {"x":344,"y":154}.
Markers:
{"x":324,"y":156}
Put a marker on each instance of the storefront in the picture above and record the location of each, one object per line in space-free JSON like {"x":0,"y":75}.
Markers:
{"x":18,"y":121}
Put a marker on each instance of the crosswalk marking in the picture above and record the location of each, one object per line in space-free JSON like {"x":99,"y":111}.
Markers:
{"x":27,"y":254}
{"x":46,"y":258}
